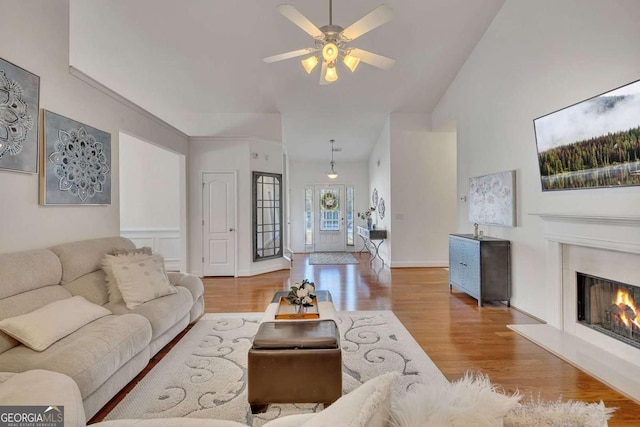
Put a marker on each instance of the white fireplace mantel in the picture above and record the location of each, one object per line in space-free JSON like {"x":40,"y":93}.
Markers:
{"x":584,"y":243}
{"x":616,"y":233}
{"x":590,"y":219}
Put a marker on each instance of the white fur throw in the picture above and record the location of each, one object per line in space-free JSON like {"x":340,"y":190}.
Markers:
{"x":470,"y":401}
{"x":565,"y":414}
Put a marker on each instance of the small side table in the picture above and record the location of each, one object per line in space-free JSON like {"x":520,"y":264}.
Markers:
{"x":368,"y":237}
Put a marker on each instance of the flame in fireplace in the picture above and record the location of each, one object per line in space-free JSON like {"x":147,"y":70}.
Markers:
{"x":623,"y":300}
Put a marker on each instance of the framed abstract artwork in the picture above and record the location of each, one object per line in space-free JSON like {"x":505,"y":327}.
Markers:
{"x":19,"y":107}
{"x":492,"y":199}
{"x":76,"y":163}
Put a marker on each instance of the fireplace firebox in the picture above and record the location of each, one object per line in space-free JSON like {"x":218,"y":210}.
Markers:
{"x":609,"y":307}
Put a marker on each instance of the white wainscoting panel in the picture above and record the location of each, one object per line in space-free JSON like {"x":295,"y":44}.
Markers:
{"x":163,"y":241}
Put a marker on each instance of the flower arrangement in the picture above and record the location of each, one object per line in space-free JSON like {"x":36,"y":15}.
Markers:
{"x":366,"y":214}
{"x":302,"y":294}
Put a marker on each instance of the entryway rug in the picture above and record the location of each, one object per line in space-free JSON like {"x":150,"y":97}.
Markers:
{"x":327,"y":258}
{"x":204,"y":375}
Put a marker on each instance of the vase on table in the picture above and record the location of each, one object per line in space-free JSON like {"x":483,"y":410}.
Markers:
{"x":369,"y":221}
{"x":300,"y":309}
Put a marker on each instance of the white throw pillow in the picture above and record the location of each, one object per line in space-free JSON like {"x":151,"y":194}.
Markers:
{"x":46,"y":325}
{"x":470,"y":401}
{"x":122,"y":257}
{"x":141,"y":280}
{"x":366,"y":406}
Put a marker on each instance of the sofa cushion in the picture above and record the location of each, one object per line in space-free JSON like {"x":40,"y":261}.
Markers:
{"x":170,"y":422}
{"x":24,"y":271}
{"x":43,"y":388}
{"x":46,"y":325}
{"x":163,"y":312}
{"x":141,"y":280}
{"x":92,"y":286}
{"x":85,"y":256}
{"x":90,"y":355}
{"x":25,"y":303}
{"x":189,"y":281}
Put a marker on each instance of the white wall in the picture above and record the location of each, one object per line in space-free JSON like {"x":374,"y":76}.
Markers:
{"x":535,"y":58}
{"x":225,"y":155}
{"x":311,"y":173}
{"x":423,"y":184}
{"x":150,"y":198}
{"x":380,"y":179}
{"x":35,"y":35}
{"x":259,"y":125}
{"x":149,"y":194}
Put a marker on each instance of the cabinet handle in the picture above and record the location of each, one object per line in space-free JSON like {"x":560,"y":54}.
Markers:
{"x":462,"y":263}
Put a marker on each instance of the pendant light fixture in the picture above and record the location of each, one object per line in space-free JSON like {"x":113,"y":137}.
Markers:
{"x":332,"y":174}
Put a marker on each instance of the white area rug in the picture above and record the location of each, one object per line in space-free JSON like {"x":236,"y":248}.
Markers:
{"x":327,"y":258}
{"x":204,"y":375}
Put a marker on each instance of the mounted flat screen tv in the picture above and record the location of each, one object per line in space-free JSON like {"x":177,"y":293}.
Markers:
{"x":592,"y":144}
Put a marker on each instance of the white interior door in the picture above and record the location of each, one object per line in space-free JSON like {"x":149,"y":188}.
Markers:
{"x":219,"y":228}
{"x":329,"y":226}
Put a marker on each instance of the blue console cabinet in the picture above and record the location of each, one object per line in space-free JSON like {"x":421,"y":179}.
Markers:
{"x":480,"y":267}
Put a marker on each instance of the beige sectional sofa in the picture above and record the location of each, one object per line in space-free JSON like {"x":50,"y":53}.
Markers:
{"x":104,"y":355}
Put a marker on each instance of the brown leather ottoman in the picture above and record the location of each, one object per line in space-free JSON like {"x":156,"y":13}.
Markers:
{"x":295,"y":362}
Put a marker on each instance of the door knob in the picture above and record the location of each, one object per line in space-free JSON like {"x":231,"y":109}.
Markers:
{"x":231,"y":229}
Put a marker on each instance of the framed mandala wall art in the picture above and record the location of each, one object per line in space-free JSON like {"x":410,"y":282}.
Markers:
{"x":19,"y":107}
{"x":76,"y":165}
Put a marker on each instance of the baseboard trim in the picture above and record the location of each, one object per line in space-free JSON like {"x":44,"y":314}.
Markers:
{"x":409,"y":264}
{"x":281,"y":264}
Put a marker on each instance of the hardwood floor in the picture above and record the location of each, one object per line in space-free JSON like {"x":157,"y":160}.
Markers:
{"x":457,"y":335}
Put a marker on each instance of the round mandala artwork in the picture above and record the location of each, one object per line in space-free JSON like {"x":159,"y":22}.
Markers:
{"x":381,"y":208}
{"x":81,"y":164}
{"x":15,"y":120}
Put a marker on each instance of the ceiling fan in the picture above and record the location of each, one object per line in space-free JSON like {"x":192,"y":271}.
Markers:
{"x":332,"y":42}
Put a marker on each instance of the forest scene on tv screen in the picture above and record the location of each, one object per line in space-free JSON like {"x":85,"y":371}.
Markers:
{"x":595,"y":143}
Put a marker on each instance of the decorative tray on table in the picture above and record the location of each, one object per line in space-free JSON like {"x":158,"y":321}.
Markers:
{"x":294,"y":312}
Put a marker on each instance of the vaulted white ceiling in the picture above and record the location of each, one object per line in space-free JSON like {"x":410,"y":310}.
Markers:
{"x":194,"y":62}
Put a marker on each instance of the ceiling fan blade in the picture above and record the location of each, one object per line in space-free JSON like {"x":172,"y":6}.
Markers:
{"x":323,"y":72}
{"x":373,"y":58}
{"x":287,"y":55}
{"x":378,"y":16}
{"x":293,"y":15}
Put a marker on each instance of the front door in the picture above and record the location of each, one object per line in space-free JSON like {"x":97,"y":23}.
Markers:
{"x":329,"y":226}
{"x":218,"y":224}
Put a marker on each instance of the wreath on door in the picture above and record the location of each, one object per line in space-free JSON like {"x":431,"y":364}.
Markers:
{"x":329,"y":202}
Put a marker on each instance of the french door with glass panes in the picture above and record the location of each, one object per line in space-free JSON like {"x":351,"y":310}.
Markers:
{"x":329,"y":225}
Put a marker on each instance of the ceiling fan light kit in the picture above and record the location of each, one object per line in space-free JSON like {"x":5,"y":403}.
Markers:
{"x":309,"y":64}
{"x":333,"y":41}
{"x":351,"y":62}
{"x":331,"y":75}
{"x":330,"y":52}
